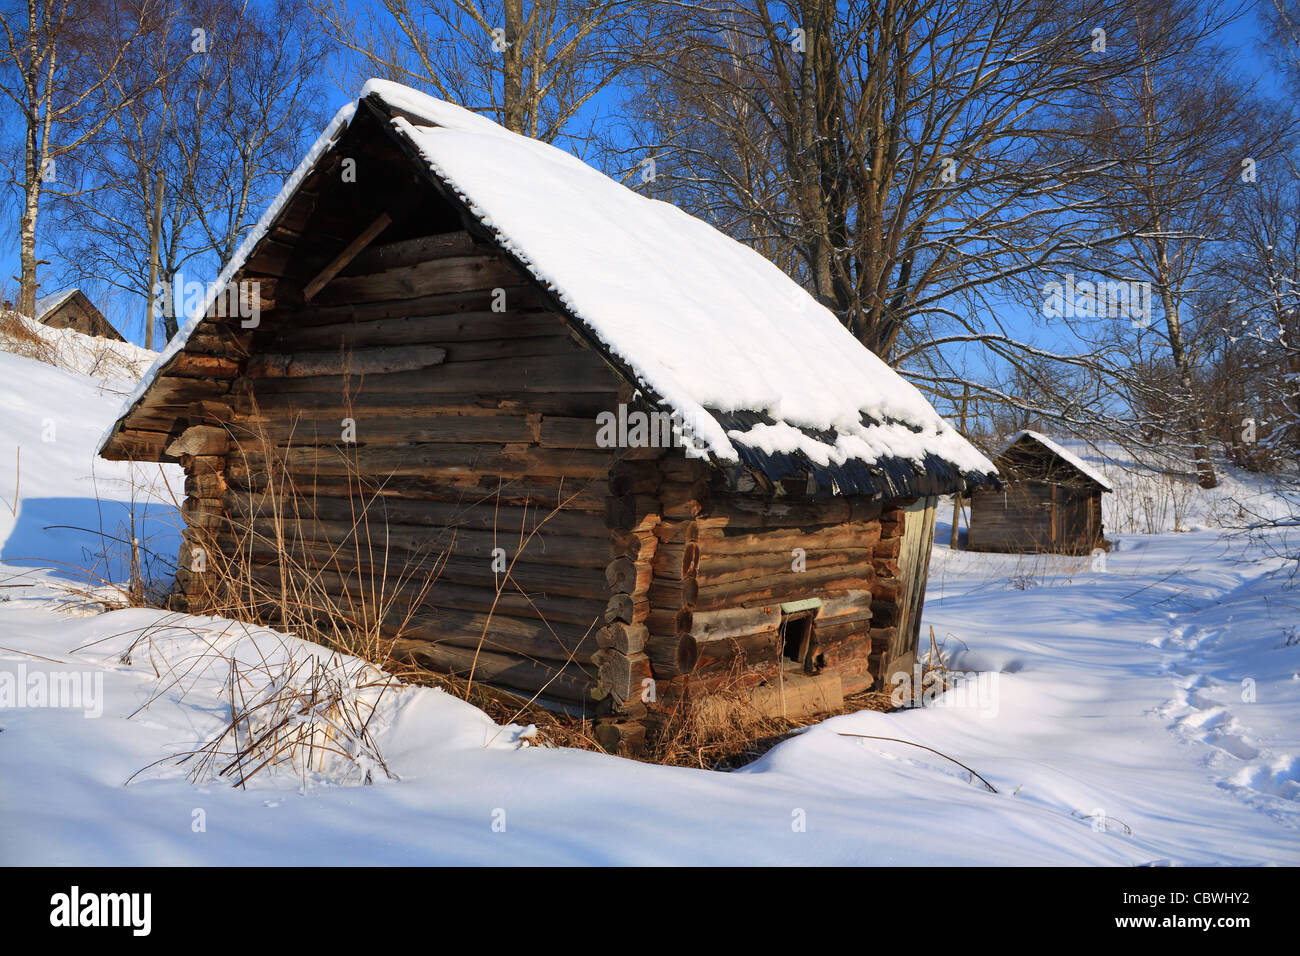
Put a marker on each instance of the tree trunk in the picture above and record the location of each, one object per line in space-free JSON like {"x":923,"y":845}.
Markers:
{"x":1195,"y":419}
{"x":32,"y":171}
{"x":513,"y":68}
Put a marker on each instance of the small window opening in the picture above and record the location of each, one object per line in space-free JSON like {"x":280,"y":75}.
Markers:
{"x":797,"y":641}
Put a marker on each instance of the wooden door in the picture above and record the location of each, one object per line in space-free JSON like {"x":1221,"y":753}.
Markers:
{"x":913,"y":570}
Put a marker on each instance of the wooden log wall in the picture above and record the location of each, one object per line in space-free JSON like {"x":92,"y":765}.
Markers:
{"x":429,"y":435}
{"x":707,"y":570}
{"x":1035,"y":516}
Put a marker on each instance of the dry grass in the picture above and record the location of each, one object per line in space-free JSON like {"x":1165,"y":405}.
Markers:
{"x":352,"y":595}
{"x":292,"y":708}
{"x":16,"y":336}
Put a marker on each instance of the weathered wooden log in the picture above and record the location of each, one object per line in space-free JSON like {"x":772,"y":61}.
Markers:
{"x":362,"y":361}
{"x":521,"y":298}
{"x":200,"y":441}
{"x":886,"y":590}
{"x":844,"y":602}
{"x":202,"y":465}
{"x":751,"y":511}
{"x":453,"y":274}
{"x":532,"y":578}
{"x":559,"y":432}
{"x":626,"y":676}
{"x":783,"y":586}
{"x":882,"y":638}
{"x":539,"y":493}
{"x":669,"y":593}
{"x":852,"y":536}
{"x":501,"y":330}
{"x":376,"y":538}
{"x":569,"y":683}
{"x":668,"y":620}
{"x":632,"y":512}
{"x":677,"y":532}
{"x":758,"y":645}
{"x":627,"y":638}
{"x":680,"y":500}
{"x":888,"y":547}
{"x":514,"y":374}
{"x":504,"y":634}
{"x":635,"y":478}
{"x":637,"y":546}
{"x":429,"y":460}
{"x":203,"y":512}
{"x":724,"y":569}
{"x":628,"y":577}
{"x":733,"y":622}
{"x":828,"y":634}
{"x":676,"y":467}
{"x":408,"y":252}
{"x":670,"y":654}
{"x":207,"y":484}
{"x":676,"y":561}
{"x":194,"y":364}
{"x":371,"y":593}
{"x":512,"y":523}
{"x":626,"y":608}
{"x":218,"y":339}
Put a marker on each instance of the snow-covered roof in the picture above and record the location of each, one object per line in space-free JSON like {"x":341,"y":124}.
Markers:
{"x":48,"y":303}
{"x":1067,"y":456}
{"x":754,"y":366}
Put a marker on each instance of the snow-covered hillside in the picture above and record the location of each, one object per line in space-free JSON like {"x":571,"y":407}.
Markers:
{"x":1134,"y":709}
{"x":71,"y":350}
{"x":61,"y":507}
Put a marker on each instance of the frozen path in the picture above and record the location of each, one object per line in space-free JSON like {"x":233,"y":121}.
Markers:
{"x":1158,"y":690}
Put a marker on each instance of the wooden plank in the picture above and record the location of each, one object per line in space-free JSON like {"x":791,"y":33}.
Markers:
{"x":350,"y":251}
{"x":406,"y":252}
{"x":460,"y":274}
{"x":366,"y":361}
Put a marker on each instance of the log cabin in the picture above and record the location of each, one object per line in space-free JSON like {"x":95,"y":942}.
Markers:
{"x":71,"y":309}
{"x":1050,"y":501}
{"x":629,"y":459}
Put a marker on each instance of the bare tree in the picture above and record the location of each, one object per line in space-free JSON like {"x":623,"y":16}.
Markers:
{"x":1254,"y":300}
{"x":899,"y":156}
{"x":58,"y":61}
{"x":1185,"y":137}
{"x":533,"y":67}
{"x":224,"y":130}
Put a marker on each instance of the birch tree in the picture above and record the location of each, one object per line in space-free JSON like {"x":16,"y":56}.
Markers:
{"x":224,"y":129}
{"x":58,"y":60}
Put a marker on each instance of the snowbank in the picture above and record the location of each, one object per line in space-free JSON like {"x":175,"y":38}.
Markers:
{"x":86,"y":354}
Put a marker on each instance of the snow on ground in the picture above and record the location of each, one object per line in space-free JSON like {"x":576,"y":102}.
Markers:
{"x":88,"y":354}
{"x":1136,"y":709}
{"x":71,"y":505}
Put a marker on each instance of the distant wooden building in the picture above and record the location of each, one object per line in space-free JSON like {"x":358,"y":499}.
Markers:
{"x":627,"y":457}
{"x":1050,"y":501}
{"x":71,"y":309}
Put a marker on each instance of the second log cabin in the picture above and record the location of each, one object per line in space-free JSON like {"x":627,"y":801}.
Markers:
{"x":1049,"y":501}
{"x":583,"y":445}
